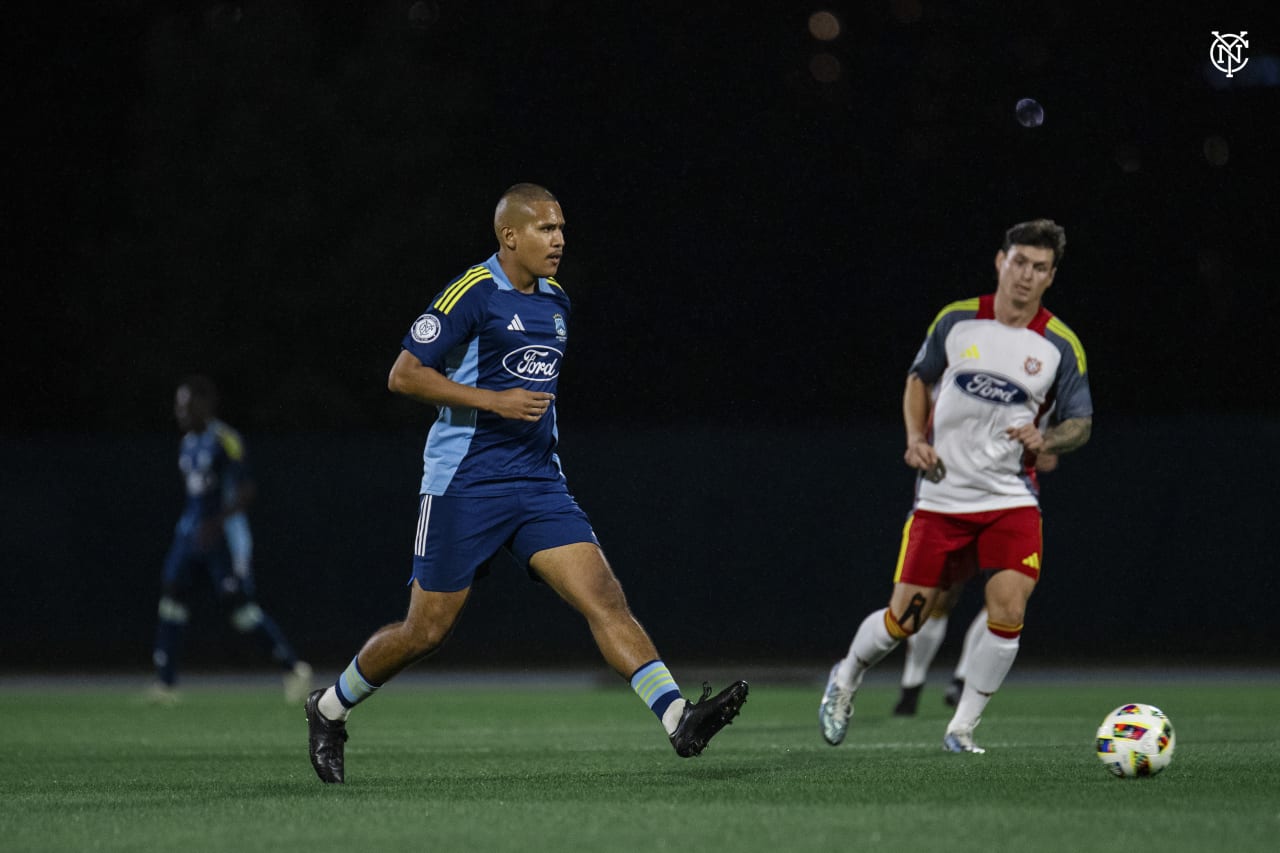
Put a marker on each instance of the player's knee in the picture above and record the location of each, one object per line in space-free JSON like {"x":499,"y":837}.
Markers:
{"x":911,"y":617}
{"x":422,"y":643}
{"x":173,"y":610}
{"x":1006,"y":616}
{"x":610,"y":595}
{"x":604,"y":600}
{"x":246,"y":617}
{"x":420,"y":637}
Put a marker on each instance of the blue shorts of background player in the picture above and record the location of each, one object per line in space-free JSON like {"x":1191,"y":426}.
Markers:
{"x":186,"y":556}
{"x":458,"y":537}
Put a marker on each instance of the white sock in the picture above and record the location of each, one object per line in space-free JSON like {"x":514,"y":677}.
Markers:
{"x":870,"y":645}
{"x":976,"y":629}
{"x":331,"y":708}
{"x":671,"y":716}
{"x":991,"y":660}
{"x":922,"y":648}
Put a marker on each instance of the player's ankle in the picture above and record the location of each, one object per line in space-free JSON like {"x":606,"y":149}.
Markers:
{"x":330,"y":708}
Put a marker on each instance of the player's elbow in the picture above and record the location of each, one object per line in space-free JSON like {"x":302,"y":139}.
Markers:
{"x":397,"y":383}
{"x":1086,"y":431}
{"x":398,"y":379}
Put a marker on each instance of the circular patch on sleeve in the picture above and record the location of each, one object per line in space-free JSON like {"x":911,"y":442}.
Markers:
{"x":426,"y":329}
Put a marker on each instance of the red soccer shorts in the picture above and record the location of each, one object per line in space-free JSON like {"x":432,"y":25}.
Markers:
{"x":939,"y":549}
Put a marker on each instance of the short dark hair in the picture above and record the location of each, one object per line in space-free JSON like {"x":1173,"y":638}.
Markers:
{"x":1044,"y":233}
{"x":528,"y":193}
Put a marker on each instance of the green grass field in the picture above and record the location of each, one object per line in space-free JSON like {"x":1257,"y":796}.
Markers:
{"x":588,"y":768}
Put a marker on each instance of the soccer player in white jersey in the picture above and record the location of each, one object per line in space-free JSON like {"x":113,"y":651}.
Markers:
{"x":989,"y":371}
{"x":487,"y":354}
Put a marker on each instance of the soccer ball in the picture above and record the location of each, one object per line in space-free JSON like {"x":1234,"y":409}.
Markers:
{"x":1135,"y":740}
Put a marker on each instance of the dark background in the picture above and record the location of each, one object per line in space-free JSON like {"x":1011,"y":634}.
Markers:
{"x":761,"y":224}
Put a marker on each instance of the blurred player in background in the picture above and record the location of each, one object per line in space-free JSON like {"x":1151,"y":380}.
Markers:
{"x":487,"y":354}
{"x":989,"y":370}
{"x":213,"y":536}
{"x":923,"y":645}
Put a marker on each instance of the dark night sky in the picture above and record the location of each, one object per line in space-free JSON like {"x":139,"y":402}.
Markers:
{"x":271,"y":193}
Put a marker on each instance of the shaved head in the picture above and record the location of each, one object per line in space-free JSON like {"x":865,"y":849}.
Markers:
{"x":516,"y":205}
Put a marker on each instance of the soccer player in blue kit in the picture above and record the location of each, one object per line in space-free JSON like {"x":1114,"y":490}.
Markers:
{"x":213,"y":534}
{"x":487,"y":354}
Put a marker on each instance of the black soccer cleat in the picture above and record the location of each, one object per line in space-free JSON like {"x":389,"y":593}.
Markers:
{"x":325,"y":739}
{"x":700,"y":721}
{"x":908,"y":702}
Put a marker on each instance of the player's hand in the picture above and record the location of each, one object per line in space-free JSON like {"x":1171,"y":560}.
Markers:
{"x":519,"y":404}
{"x":1030,"y":436}
{"x":921,"y":456}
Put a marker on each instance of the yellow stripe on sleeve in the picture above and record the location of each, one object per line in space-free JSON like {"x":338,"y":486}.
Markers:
{"x":962,"y":305}
{"x":231,"y":443}
{"x":451,"y":289}
{"x":1060,"y":328}
{"x":455,"y":291}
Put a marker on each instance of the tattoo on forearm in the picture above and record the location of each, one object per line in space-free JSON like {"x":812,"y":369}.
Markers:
{"x":1068,"y":435}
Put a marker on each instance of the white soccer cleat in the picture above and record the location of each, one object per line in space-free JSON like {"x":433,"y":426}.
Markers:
{"x":961,"y":740}
{"x":297,"y":683}
{"x":836,"y":709}
{"x":161,"y":694}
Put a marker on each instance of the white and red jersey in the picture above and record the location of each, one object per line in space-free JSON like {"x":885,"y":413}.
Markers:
{"x":985,"y":377}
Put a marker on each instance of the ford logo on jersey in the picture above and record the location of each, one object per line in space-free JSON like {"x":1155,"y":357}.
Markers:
{"x":533,"y":364}
{"x":995,"y":389}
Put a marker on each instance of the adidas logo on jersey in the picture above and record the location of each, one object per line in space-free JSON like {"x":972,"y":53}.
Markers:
{"x":971,"y":352}
{"x":515,"y":325}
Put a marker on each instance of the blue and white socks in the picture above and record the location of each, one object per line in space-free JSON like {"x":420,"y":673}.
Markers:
{"x":349,"y":690}
{"x":653,"y":684}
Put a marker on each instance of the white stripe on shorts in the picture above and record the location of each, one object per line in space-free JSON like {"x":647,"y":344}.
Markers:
{"x":424,"y":518}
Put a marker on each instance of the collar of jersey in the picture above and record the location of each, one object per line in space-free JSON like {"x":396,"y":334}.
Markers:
{"x":503,"y":282}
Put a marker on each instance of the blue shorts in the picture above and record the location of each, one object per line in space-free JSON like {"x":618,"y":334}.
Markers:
{"x":186,"y":557}
{"x":458,"y":537}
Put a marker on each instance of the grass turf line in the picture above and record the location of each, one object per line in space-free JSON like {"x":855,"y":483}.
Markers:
{"x":480,"y":768}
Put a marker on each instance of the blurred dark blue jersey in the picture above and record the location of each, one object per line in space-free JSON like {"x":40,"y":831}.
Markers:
{"x":213,"y":466}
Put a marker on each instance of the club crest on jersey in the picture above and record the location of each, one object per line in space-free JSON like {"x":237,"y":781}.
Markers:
{"x":562,"y":331}
{"x":533,"y":364}
{"x":992,"y":388}
{"x":426,"y":329}
{"x":1032,"y":365}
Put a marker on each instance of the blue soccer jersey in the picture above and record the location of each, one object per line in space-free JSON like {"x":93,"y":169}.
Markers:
{"x":213,"y":466}
{"x":481,"y":331}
